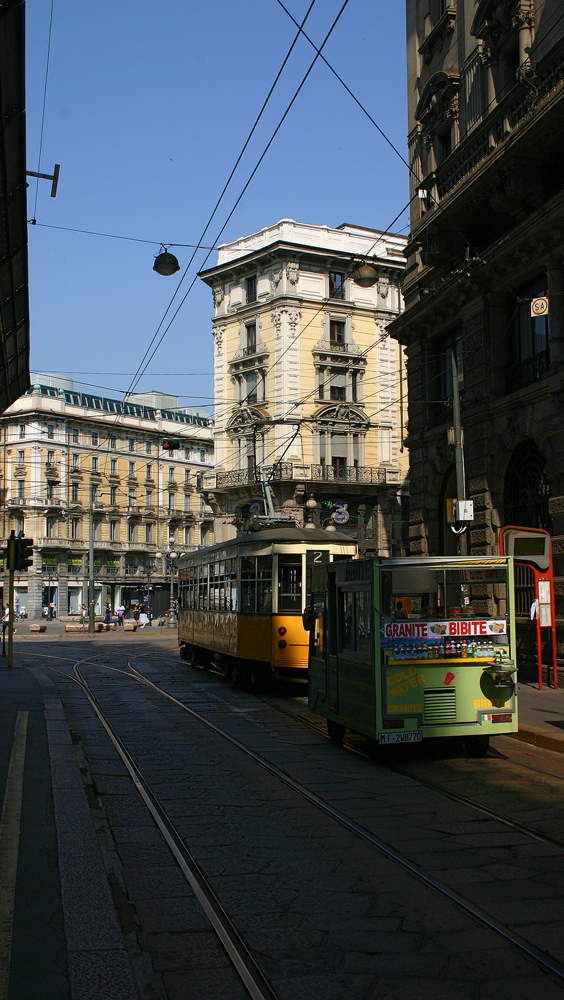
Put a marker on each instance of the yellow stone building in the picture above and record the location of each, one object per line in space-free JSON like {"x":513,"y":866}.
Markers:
{"x":308,"y":384}
{"x":74,"y":462}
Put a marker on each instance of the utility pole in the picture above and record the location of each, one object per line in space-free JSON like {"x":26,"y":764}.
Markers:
{"x":458,"y":452}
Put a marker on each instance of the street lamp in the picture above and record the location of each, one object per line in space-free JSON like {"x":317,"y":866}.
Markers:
{"x":172,"y":556}
{"x":166,"y":263}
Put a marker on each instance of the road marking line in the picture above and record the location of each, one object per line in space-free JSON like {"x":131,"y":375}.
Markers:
{"x":9,"y":843}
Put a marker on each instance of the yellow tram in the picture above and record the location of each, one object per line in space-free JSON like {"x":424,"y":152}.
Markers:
{"x":241,"y":601}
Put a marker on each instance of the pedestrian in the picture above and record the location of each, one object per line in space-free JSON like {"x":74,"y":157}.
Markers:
{"x":143,"y":617}
{"x":120,"y":614}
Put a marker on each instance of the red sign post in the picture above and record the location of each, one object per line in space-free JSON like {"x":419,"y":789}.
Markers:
{"x":532,"y":547}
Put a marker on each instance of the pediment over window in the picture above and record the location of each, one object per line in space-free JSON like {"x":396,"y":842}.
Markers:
{"x":342,"y":413}
{"x":438,"y":104}
{"x":495,"y":19}
{"x":244,"y":418}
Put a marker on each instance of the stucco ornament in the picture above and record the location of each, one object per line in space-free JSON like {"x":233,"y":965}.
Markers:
{"x":293,"y":271}
{"x":383,"y":286}
{"x":217,"y":295}
{"x":276,"y":279}
{"x":218,"y":334}
{"x":294,"y":316}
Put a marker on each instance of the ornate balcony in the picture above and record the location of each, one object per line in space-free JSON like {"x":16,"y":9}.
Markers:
{"x":379,"y":476}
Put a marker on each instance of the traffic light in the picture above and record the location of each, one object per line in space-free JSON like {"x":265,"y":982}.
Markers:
{"x":171,"y":444}
{"x":24,"y":553}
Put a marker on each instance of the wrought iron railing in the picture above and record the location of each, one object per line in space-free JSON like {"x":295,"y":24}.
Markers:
{"x":304,"y":472}
{"x":527,"y":372}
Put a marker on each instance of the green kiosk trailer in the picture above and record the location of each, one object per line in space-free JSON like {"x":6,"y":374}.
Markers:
{"x":404,"y":650}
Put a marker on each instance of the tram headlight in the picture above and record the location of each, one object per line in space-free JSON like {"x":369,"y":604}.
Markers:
{"x":282,"y":630}
{"x":282,"y":643}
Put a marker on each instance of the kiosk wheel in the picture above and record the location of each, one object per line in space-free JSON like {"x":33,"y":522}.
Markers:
{"x":336,"y":732}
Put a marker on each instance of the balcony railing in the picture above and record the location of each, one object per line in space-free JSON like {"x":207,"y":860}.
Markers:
{"x":527,"y":372}
{"x":310,"y":473}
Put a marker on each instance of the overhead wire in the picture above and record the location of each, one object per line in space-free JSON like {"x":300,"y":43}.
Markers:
{"x":231,"y":213}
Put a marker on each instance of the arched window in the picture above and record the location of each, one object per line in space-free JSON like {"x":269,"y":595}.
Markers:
{"x":527,"y":489}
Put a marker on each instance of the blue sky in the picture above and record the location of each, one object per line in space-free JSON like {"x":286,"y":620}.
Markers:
{"x":147,"y":108}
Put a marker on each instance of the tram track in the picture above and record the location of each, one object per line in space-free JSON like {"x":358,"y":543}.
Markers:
{"x":254,"y":981}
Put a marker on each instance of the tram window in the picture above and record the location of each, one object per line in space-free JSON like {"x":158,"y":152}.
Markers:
{"x":256,"y":584}
{"x":289,"y":583}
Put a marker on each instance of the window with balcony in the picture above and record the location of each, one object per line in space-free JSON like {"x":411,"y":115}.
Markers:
{"x":186,"y":503}
{"x":336,"y":285}
{"x":94,"y":495}
{"x":75,"y":493}
{"x":186,"y":475}
{"x":113,"y":441}
{"x":131,"y":498}
{"x":337,"y":333}
{"x":337,"y":387}
{"x":202,"y":455}
{"x":94,"y":439}
{"x":132,"y":469}
{"x":22,"y":430}
{"x":148,"y":498}
{"x":20,"y":488}
{"x":187,"y":536}
{"x":51,"y":527}
{"x":171,"y":535}
{"x":252,"y":289}
{"x":49,"y":491}
{"x":131,"y":444}
{"x":250,"y":394}
{"x":131,"y":531}
{"x":148,"y":533}
{"x":113,"y":531}
{"x":74,"y":435}
{"x":187,"y":454}
{"x":75,"y":528}
{"x":251,"y":338}
{"x":148,"y":447}
{"x":76,"y":463}
{"x":113,"y":496}
{"x":51,"y":431}
{"x":21,"y":458}
{"x":50,"y":458}
{"x":95,"y":467}
{"x":97,"y":529}
{"x":529,"y":340}
{"x":113,"y":466}
{"x":18,"y":523}
{"x":170,"y":502}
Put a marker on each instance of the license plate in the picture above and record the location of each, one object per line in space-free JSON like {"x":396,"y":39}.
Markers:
{"x":415,"y":737}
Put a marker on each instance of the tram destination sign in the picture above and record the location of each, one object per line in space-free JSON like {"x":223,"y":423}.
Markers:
{"x":411,"y":631}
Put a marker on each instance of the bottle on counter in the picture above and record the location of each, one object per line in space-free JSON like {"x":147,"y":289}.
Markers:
{"x":464,"y":649}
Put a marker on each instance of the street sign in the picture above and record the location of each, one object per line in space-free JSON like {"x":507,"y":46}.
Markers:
{"x":539,"y":306}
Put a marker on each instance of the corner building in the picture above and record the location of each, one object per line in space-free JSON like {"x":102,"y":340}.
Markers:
{"x":71,"y":461}
{"x":307,"y":380}
{"x":486,"y":103}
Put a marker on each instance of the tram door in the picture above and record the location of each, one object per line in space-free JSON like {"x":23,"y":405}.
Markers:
{"x":322,"y":664}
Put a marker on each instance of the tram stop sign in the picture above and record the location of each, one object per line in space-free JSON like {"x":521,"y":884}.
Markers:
{"x":528,"y":546}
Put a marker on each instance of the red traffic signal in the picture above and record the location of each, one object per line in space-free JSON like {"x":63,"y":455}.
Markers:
{"x":171,"y":444}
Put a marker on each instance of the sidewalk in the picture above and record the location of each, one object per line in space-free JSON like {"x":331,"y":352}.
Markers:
{"x":61,"y":938}
{"x":541,"y":716}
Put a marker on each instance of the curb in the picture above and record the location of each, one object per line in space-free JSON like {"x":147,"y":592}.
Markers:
{"x":538,"y":739}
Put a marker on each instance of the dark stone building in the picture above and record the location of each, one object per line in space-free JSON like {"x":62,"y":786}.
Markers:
{"x":486,"y":104}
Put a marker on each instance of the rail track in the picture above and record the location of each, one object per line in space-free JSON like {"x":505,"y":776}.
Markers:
{"x":256,"y":984}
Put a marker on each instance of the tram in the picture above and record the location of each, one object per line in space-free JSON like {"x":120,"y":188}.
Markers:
{"x":405,"y":650}
{"x":241,"y":601}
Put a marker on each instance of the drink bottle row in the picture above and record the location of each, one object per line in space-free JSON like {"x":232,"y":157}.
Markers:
{"x":465,"y":650}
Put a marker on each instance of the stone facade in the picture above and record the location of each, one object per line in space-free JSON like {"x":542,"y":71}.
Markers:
{"x":486,"y":100}
{"x":308,"y":384}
